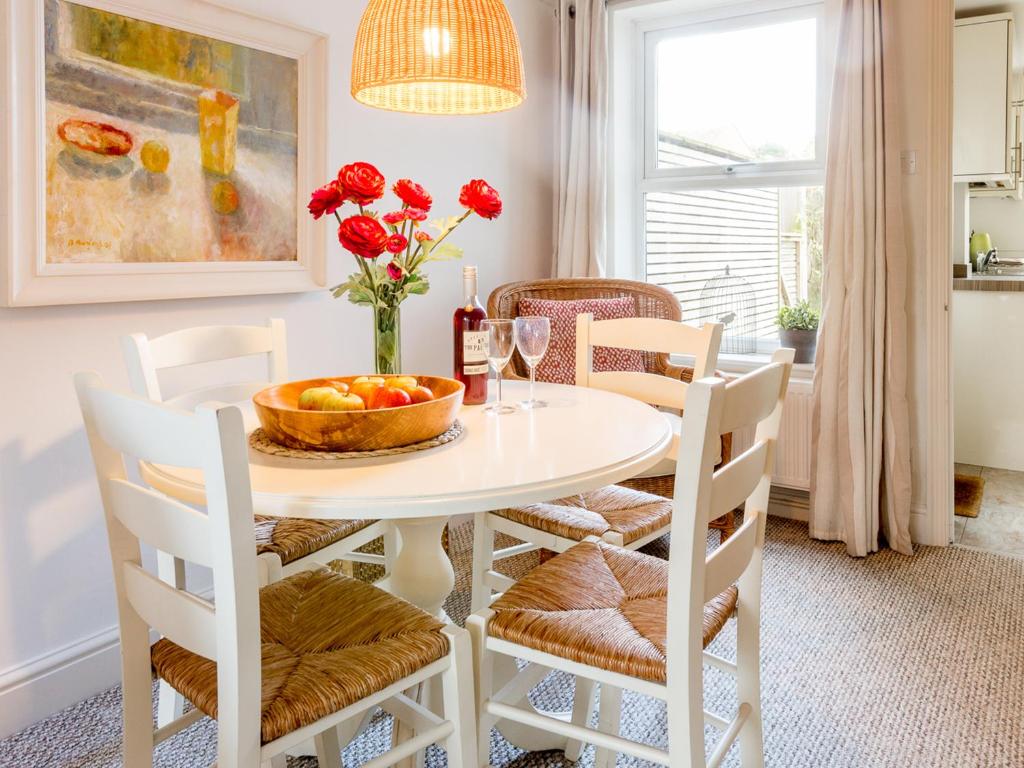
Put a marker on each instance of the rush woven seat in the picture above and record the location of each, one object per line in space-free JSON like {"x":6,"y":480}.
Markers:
{"x":327,"y":642}
{"x":599,"y":605}
{"x":631,"y":513}
{"x":294,"y":538}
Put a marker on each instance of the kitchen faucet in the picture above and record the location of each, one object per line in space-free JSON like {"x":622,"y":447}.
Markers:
{"x":985,"y":260}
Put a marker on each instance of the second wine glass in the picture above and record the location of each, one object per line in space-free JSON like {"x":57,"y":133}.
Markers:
{"x":532,"y":337}
{"x":501,"y":343}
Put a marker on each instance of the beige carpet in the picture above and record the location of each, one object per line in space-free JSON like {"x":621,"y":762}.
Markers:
{"x":888,"y":661}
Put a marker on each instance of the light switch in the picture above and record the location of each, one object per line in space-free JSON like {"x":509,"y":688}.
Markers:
{"x":908,"y":161}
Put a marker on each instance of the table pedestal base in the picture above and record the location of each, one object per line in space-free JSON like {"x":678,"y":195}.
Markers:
{"x":422,"y":573}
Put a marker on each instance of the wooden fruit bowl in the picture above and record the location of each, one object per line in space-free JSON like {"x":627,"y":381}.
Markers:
{"x":279,"y":414}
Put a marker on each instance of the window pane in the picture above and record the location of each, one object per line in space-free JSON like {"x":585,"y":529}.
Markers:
{"x":736,"y":255}
{"x":739,"y":96}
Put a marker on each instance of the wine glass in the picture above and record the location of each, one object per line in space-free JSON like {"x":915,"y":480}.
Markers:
{"x":532,"y":337}
{"x":501,"y":342}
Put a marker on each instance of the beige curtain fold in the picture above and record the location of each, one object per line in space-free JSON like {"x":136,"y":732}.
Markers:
{"x":860,"y":470}
{"x":581,"y":193}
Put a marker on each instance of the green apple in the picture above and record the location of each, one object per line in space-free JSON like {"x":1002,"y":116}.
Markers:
{"x":344,"y":401}
{"x":313,"y":399}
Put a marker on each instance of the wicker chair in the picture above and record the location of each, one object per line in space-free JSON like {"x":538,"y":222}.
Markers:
{"x":651,"y":301}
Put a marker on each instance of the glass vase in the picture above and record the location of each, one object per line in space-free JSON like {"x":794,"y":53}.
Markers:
{"x":387,"y":340}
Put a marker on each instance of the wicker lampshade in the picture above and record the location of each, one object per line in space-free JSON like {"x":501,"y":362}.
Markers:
{"x":438,"y":57}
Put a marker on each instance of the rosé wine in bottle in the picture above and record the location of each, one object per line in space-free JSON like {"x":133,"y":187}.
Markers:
{"x":471,"y":342}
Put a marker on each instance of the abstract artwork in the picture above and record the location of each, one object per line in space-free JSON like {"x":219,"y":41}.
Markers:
{"x":163,"y":145}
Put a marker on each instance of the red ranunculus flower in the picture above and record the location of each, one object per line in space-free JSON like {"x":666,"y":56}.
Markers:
{"x":412,"y":194}
{"x":363,"y":235}
{"x":481,"y":198}
{"x":395,"y":271}
{"x":327,"y":200}
{"x":396,"y":243}
{"x":423,"y":237}
{"x":416,"y":214}
{"x":361,"y":183}
{"x":395,"y":217}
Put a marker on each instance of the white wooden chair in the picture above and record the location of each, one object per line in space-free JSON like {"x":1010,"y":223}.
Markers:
{"x":285,"y":546}
{"x":626,"y":620}
{"x":354,"y":646}
{"x":622,"y":516}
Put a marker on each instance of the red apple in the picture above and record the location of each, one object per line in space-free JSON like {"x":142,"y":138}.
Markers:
{"x":420,"y":394}
{"x":388,"y":397}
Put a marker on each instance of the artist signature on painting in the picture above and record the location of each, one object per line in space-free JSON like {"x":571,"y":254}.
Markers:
{"x":75,"y":242}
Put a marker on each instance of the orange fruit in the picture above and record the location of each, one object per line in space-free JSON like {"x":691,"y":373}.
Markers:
{"x":155,"y":156}
{"x":224,"y":198}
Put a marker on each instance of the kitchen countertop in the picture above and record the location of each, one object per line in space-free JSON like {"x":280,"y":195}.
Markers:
{"x":999,"y":283}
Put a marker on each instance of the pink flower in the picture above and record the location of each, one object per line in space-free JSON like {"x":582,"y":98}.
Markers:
{"x":395,"y":271}
{"x":393,"y":218}
{"x":423,"y":237}
{"x":416,"y":214}
{"x":396,"y":243}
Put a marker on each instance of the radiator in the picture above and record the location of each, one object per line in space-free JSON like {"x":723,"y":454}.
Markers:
{"x":793,"y":452}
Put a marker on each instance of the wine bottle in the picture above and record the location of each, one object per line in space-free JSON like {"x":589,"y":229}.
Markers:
{"x":471,"y":342}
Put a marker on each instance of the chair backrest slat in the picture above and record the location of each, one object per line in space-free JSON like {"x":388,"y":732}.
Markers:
{"x":179,"y":616}
{"x":226,"y":393}
{"x":145,"y":357}
{"x":647,"y":335}
{"x":751,"y":399}
{"x":736,"y":481}
{"x":168,"y":525}
{"x":132,"y":426}
{"x":725,"y":565}
{"x":647,"y":387}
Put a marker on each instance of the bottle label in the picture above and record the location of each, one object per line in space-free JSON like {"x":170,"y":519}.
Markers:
{"x":474,"y":352}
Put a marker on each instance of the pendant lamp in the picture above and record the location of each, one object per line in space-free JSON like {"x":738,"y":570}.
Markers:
{"x":438,"y":57}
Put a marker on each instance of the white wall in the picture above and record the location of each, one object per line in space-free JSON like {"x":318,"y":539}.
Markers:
{"x":912,"y":70}
{"x":57,"y":611}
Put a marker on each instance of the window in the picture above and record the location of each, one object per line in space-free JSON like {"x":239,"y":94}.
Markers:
{"x":728,"y":164}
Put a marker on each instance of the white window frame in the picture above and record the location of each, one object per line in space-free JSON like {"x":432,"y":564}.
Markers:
{"x":634,"y":31}
{"x":785,"y":173}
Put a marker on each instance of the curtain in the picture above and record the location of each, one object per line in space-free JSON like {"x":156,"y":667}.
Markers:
{"x":860,"y":471}
{"x":581,"y":193}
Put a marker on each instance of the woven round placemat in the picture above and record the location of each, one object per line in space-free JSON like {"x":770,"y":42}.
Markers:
{"x":262,"y":443}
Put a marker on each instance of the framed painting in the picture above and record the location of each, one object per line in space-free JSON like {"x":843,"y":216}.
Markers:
{"x":157,"y":150}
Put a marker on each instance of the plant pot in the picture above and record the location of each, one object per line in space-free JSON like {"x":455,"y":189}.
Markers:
{"x":805,"y":343}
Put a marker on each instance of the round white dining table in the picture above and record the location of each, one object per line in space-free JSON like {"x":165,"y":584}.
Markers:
{"x":584,"y":439}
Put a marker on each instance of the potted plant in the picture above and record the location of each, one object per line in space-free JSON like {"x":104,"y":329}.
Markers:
{"x":798,"y":329}
{"x":383,"y":284}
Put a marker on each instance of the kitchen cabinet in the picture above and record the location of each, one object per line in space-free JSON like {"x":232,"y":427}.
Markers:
{"x":986,"y":148}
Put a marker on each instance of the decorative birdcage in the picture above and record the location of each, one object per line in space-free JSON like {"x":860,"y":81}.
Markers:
{"x":729,"y":299}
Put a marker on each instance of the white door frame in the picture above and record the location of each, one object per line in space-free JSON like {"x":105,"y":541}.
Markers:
{"x":936,"y":527}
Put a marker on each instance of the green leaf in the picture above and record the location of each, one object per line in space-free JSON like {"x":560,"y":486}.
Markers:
{"x":417,"y":284}
{"x":444,"y":252}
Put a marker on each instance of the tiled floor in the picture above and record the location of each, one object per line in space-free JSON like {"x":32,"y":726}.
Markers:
{"x":1000,"y":525}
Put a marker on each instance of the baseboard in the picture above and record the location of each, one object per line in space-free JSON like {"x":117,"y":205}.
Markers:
{"x":52,"y":681}
{"x":790,"y":503}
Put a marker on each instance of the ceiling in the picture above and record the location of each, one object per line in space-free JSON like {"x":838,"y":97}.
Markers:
{"x":981,"y":7}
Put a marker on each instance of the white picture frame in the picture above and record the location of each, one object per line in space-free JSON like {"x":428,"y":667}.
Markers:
{"x":27,"y":278}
